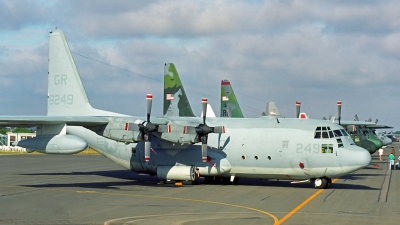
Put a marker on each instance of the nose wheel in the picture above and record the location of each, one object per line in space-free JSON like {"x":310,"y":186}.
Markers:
{"x":322,"y":183}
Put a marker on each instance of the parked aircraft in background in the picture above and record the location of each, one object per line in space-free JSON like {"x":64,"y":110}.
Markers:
{"x":176,"y":102}
{"x":186,"y":148}
{"x":385,"y":139}
{"x":229,"y":103}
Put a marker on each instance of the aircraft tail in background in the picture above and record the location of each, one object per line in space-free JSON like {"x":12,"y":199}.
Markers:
{"x":229,"y":104}
{"x":272,"y":110}
{"x":176,"y":102}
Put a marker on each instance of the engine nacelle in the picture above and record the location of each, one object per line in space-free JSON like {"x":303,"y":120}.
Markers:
{"x":54,"y":144}
{"x":117,"y":130}
{"x":177,"y":173}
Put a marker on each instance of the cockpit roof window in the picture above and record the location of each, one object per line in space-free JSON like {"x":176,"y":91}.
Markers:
{"x":323,"y":128}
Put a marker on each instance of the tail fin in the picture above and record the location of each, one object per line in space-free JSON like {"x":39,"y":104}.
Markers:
{"x":66,"y":94}
{"x":210,"y":112}
{"x":229,"y":101}
{"x":272,"y":110}
{"x":176,"y":102}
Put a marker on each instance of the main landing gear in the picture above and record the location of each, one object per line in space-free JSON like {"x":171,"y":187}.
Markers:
{"x":322,"y":183}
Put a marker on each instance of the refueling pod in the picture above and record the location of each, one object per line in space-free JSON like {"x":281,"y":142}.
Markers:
{"x":54,"y":144}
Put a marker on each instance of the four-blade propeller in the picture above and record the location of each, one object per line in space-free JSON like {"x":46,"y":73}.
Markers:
{"x":147,"y":129}
{"x":202,"y":131}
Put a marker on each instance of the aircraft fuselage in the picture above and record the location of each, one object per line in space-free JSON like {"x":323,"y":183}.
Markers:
{"x":256,"y":148}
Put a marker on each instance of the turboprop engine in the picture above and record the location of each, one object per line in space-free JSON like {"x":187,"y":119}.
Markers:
{"x":177,"y":173}
{"x":54,"y":144}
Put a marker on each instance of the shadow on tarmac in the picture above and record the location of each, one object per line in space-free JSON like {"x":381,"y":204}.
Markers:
{"x":130,"y":178}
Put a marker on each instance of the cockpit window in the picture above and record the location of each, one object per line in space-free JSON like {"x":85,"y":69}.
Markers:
{"x":344,"y":132}
{"x":337,"y":133}
{"x":326,"y":132}
{"x":317,"y":133}
{"x":323,"y":132}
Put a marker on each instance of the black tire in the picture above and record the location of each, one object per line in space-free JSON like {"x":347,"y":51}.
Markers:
{"x":320,"y":183}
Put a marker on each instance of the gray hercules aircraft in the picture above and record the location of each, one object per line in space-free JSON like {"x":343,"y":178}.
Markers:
{"x":186,"y":148}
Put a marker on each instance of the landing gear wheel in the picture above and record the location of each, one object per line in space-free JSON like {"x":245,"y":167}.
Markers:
{"x":328,"y":183}
{"x":320,"y":183}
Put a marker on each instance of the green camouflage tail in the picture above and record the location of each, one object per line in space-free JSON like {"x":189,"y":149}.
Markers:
{"x":229,"y":101}
{"x":176,"y":102}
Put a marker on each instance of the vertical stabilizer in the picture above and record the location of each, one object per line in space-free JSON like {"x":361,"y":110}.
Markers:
{"x":229,"y":101}
{"x":272,"y":110}
{"x":66,"y":94}
{"x":176,"y":102}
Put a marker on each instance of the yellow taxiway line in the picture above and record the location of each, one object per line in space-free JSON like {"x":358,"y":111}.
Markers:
{"x":287,"y":216}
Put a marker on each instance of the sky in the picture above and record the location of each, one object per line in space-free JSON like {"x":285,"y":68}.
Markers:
{"x":316,"y":52}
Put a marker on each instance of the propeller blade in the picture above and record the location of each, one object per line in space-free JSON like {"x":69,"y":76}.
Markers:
{"x":298,"y":104}
{"x":356,"y":117}
{"x":219,"y":129}
{"x":149,"y":98}
{"x":339,"y":106}
{"x":204,"y":152}
{"x":131,"y":127}
{"x":164,"y":129}
{"x":204,"y":106}
{"x":147,"y":145}
{"x":189,"y":130}
{"x":376,"y":121}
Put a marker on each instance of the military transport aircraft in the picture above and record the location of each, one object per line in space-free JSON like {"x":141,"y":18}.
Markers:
{"x":186,"y":148}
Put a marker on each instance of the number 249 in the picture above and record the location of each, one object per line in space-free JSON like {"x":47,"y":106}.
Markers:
{"x":307,"y":148}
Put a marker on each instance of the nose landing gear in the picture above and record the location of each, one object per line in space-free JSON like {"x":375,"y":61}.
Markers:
{"x":322,"y":183}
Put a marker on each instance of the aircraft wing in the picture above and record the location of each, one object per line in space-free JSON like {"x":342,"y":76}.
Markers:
{"x":378,"y":126}
{"x":85,"y":121}
{"x":356,"y":123}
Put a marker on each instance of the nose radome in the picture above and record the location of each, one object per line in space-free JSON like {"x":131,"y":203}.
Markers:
{"x":362,"y":157}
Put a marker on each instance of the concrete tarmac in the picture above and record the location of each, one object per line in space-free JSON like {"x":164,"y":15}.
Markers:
{"x":90,"y":189}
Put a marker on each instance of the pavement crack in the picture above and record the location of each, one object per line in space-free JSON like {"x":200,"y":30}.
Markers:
{"x":328,"y":195}
{"x":265,"y":198}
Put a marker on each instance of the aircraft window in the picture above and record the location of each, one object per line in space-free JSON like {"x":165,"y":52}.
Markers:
{"x":329,"y":128}
{"x":344,"y":132}
{"x":318,"y":129}
{"x":327,"y":148}
{"x":325,"y":134}
{"x":340,"y":143}
{"x":323,"y":128}
{"x":317,"y":135}
{"x":337,"y":133}
{"x":331,"y":134}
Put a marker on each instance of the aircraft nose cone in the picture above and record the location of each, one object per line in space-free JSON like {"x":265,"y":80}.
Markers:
{"x":362,"y":158}
{"x":355,"y":158}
